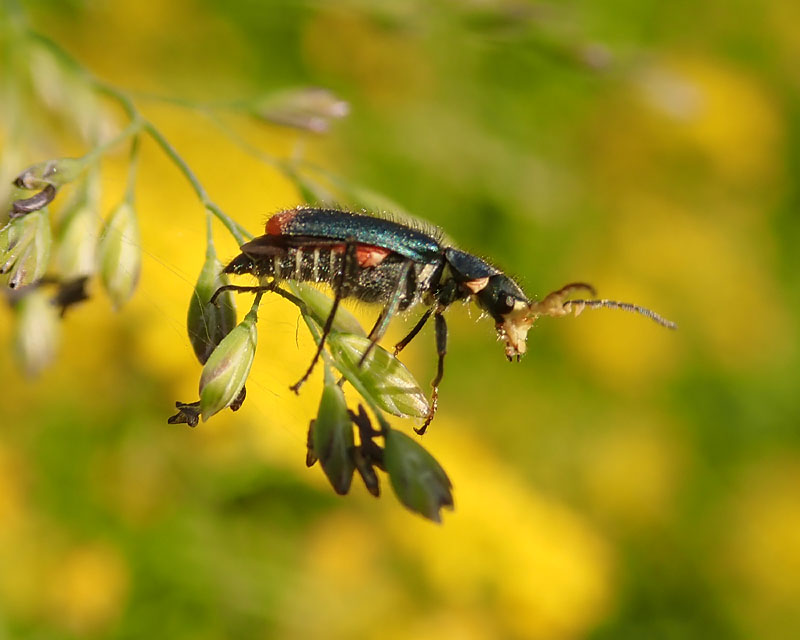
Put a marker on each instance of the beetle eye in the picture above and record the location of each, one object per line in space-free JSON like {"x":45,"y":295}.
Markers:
{"x":504,"y":305}
{"x":500,"y":297}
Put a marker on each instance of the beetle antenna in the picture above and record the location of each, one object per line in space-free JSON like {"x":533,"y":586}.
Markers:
{"x":554,"y":303}
{"x":579,"y":305}
{"x":571,"y":288}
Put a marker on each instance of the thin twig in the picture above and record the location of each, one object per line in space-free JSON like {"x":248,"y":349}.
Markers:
{"x":239,"y":232}
{"x":132,"y":169}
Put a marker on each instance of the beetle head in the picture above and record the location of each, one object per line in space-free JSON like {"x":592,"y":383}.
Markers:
{"x":505,"y":301}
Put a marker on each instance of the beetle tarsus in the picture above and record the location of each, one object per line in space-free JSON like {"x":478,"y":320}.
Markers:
{"x":441,"y":350}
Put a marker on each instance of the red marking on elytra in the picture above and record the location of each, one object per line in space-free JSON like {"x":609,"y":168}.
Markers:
{"x":278,"y":222}
{"x":368,"y":255}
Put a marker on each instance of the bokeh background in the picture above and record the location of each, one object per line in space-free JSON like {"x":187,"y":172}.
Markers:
{"x":623,"y":481}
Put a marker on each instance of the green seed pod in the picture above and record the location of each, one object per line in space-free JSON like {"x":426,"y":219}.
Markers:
{"x":25,"y":248}
{"x":119,"y":254}
{"x":209,"y":323}
{"x":76,"y":249}
{"x":418,"y":480}
{"x":48,"y":77}
{"x":65,"y":91}
{"x":226,"y":369}
{"x":56,"y":173}
{"x":309,"y":108}
{"x":332,"y":437}
{"x":387,"y":380}
{"x":36,"y":334}
{"x":13,"y":238}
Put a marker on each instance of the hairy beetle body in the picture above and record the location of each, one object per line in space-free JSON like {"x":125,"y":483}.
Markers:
{"x":377,"y":260}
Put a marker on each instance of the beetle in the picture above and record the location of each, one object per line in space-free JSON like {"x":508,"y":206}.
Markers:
{"x":398,"y":265}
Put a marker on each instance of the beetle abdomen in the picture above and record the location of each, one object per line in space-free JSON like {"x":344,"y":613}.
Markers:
{"x":373,"y":277}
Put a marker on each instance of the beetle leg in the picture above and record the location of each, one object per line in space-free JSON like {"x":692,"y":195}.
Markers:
{"x":237,"y":289}
{"x":387,"y":313}
{"x":413,"y":333}
{"x":272,"y":287}
{"x":441,"y":350}
{"x":349,"y":256}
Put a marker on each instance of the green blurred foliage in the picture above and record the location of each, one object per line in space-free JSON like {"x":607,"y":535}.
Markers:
{"x":621,"y":482}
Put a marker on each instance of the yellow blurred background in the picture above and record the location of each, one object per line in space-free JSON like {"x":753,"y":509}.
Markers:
{"x":623,"y":481}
